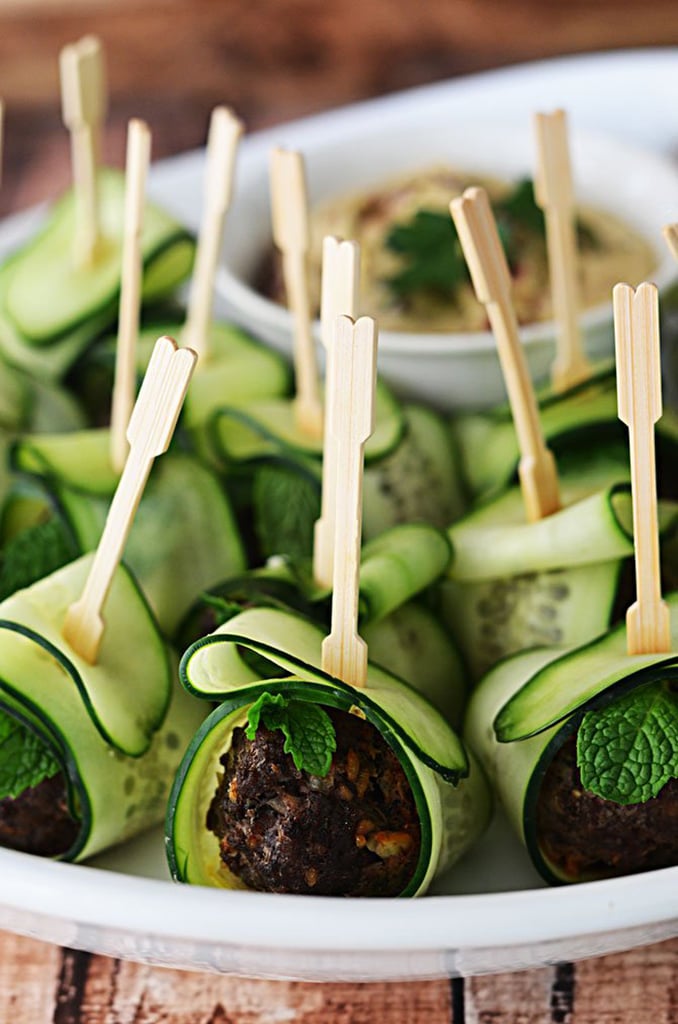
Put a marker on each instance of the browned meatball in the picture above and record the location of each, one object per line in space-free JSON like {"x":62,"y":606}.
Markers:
{"x":38,"y":820}
{"x":585,"y":836}
{"x":353,"y":833}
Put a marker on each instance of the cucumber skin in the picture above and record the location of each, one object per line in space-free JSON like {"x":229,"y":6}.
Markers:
{"x":451,"y":817}
{"x":161,"y":234}
{"x":516,"y":768}
{"x":116,"y":793}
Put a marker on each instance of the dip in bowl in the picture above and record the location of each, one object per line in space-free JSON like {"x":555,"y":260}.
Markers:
{"x":631,"y":192}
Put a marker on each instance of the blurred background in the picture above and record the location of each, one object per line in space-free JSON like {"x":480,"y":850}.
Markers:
{"x":171,"y":61}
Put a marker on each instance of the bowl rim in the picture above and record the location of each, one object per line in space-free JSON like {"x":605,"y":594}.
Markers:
{"x":255,"y":311}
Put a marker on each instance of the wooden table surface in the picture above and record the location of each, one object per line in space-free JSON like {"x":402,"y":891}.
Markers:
{"x":170,"y":61}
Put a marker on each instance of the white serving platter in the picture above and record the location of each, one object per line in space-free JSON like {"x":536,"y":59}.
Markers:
{"x":491,"y":912}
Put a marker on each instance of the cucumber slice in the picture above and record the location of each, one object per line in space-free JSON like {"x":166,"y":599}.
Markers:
{"x":113,"y":796}
{"x":451,"y":816}
{"x":419,"y":480}
{"x":72,"y":295}
{"x":79,"y":460}
{"x":412,"y":643}
{"x":126,"y":699}
{"x":268,"y":427}
{"x":537,"y":700}
{"x":571,"y":421}
{"x":50,"y":362}
{"x":603,"y":666}
{"x":398,"y":564}
{"x":214,"y":667}
{"x":184,"y":539}
{"x":197,"y":543}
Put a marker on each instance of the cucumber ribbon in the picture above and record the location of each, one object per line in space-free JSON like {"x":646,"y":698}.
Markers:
{"x":514,"y":585}
{"x":450,"y":793}
{"x":528,"y":706}
{"x":118,"y":728}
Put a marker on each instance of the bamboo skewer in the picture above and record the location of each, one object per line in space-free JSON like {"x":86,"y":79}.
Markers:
{"x":339,"y":297}
{"x":149,"y":433}
{"x":83,"y":102}
{"x":124,"y":386}
{"x":639,"y":399}
{"x":489,"y":271}
{"x":554,"y":192}
{"x":289,"y":207}
{"x":670,"y":232}
{"x":351,"y":419}
{"x":224,"y":135}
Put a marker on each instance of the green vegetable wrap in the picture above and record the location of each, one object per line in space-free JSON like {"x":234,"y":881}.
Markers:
{"x":184,"y":538}
{"x":513,"y":585}
{"x":581,"y":745}
{"x":266,"y":655}
{"x":582,"y":418}
{"x":108,"y":737}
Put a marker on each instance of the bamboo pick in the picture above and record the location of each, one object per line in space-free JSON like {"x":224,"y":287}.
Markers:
{"x":222,"y":143}
{"x":554,"y":192}
{"x":670,"y":232}
{"x":489,"y":271}
{"x":289,"y":208}
{"x":639,"y":400}
{"x":339,"y":297}
{"x":149,"y":433}
{"x":124,"y":386}
{"x":83,"y":101}
{"x":344,"y":652}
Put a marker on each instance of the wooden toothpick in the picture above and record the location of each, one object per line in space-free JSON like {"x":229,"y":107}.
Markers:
{"x":222,"y":144}
{"x":489,"y":271}
{"x":670,"y":233}
{"x":124,"y":386}
{"x":150,"y":430}
{"x":639,"y":399}
{"x":554,"y":192}
{"x":339,"y":297}
{"x":351,"y":419}
{"x":83,"y":101}
{"x":289,"y":209}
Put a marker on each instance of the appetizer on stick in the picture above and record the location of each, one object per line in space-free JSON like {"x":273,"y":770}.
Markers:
{"x":93,"y":727}
{"x":582,"y":743}
{"x":319,"y":773}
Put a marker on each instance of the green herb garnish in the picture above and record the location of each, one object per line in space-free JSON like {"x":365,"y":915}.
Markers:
{"x":25,"y":761}
{"x":308,"y":730}
{"x":34,"y":553}
{"x":432,"y":254}
{"x":286,"y":505}
{"x":433,"y":260}
{"x":628,"y":751}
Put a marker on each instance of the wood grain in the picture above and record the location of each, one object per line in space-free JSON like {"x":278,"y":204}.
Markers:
{"x":42,"y":984}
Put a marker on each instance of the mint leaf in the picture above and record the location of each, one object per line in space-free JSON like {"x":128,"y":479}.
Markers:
{"x":308,"y":730}
{"x":33,"y":553}
{"x":24,"y":759}
{"x":286,"y":505}
{"x":628,"y":751}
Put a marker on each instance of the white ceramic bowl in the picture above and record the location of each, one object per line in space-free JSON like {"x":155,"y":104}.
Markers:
{"x":362,"y":149}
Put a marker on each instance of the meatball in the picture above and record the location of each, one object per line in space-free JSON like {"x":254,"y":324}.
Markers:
{"x":38,"y":820}
{"x":585,"y":836}
{"x":354,"y":832}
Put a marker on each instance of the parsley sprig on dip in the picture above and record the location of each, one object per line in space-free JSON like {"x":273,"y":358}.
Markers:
{"x":432,"y":259}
